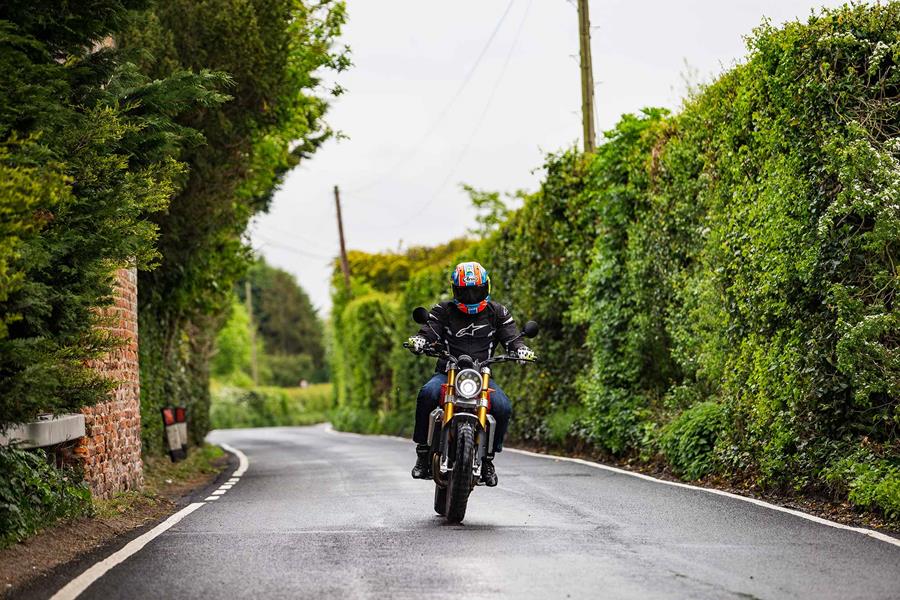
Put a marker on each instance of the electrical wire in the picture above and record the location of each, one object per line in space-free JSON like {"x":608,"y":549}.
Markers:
{"x":268,"y":242}
{"x":414,"y":150}
{"x":299,"y":238}
{"x":478,"y":123}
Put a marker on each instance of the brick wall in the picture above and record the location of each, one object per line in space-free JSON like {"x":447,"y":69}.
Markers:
{"x":110,"y":452}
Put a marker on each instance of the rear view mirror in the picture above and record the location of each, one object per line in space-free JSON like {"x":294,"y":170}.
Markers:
{"x":420,"y":315}
{"x":531,"y":329}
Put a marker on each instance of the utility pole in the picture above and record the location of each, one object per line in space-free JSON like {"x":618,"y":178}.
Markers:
{"x":254,"y":367}
{"x":345,"y":266}
{"x":587,"y":76}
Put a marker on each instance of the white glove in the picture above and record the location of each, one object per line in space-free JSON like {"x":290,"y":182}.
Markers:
{"x":525,"y":353}
{"x":417,"y":344}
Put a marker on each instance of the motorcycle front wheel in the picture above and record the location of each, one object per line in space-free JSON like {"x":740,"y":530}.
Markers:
{"x":460,"y":484}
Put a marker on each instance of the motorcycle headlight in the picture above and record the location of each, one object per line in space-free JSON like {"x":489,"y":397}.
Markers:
{"x":468,"y":383}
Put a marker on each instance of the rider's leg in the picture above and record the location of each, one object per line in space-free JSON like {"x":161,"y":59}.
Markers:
{"x":428,"y":399}
{"x":501,"y":409}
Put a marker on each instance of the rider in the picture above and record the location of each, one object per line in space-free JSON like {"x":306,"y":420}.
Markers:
{"x":474,"y":325}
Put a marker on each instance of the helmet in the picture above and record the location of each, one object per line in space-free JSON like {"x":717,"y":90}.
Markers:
{"x":471,"y":287}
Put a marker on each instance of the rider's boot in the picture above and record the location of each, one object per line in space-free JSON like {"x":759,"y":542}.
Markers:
{"x":488,"y":474}
{"x":422,"y":470}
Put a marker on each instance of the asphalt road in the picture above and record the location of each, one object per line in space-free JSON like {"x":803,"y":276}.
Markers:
{"x":325,"y":515}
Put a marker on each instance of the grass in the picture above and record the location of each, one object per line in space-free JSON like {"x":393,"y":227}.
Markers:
{"x":164,"y":479}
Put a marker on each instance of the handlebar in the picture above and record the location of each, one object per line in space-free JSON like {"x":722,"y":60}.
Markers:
{"x":433,"y":352}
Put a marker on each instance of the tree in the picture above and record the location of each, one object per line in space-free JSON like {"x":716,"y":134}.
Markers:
{"x":88,"y":151}
{"x":272,"y":50}
{"x":285,"y":317}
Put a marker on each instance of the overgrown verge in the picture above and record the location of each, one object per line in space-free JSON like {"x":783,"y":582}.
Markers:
{"x":716,"y":288}
{"x":268,"y":406}
{"x":54,"y":538}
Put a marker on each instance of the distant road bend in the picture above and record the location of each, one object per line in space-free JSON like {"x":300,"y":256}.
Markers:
{"x":325,"y":515}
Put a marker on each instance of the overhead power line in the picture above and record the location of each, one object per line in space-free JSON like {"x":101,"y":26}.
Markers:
{"x":478,"y":123}
{"x":413,"y":151}
{"x":301,"y":252}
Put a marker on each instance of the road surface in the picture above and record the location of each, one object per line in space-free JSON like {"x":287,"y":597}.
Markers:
{"x":325,"y":515}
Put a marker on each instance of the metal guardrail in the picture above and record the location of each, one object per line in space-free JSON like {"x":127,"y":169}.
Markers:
{"x":46,"y":431}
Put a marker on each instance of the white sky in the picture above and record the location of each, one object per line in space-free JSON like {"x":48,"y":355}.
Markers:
{"x":411,"y":58}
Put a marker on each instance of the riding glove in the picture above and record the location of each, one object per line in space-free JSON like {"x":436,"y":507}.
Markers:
{"x":525,"y":353}
{"x":417,"y":344}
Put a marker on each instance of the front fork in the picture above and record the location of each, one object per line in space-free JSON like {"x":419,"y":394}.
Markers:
{"x":440,"y":426}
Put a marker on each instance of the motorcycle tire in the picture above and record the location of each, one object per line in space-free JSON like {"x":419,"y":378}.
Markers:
{"x":440,"y":500}
{"x":460,"y":485}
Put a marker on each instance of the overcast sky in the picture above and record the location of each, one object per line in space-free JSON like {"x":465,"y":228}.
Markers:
{"x":423,"y":114}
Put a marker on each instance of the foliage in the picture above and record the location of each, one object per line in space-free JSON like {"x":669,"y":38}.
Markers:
{"x":269,"y":406}
{"x":689,"y":441}
{"x":287,"y":323}
{"x":34,"y":494}
{"x":88,"y":152}
{"x":273,"y":52}
{"x":716,"y":287}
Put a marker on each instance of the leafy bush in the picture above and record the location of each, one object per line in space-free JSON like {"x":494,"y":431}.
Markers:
{"x":34,"y":494}
{"x":689,"y":442}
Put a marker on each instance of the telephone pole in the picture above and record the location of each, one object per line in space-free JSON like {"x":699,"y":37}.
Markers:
{"x":345,"y":266}
{"x":587,"y":76}
{"x":254,"y":367}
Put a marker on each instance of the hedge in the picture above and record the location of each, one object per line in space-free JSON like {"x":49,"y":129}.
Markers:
{"x":716,"y":287}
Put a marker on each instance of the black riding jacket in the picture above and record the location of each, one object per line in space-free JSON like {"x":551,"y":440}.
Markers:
{"x":475,"y":335}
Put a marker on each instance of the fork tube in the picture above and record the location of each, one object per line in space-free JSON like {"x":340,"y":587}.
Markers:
{"x":448,"y":399}
{"x":482,"y":406}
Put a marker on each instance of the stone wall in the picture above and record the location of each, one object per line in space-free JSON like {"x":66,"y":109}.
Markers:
{"x":110,"y":452}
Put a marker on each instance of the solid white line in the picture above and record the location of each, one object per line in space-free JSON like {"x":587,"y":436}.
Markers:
{"x":75,"y":587}
{"x":867,"y":532}
{"x":243,"y":463}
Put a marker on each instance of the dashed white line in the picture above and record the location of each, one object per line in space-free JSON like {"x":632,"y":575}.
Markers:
{"x":83,"y":581}
{"x":75,"y":587}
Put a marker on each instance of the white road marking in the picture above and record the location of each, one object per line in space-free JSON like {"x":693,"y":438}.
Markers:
{"x":867,"y":532}
{"x":74,"y":588}
{"x":243,"y":463}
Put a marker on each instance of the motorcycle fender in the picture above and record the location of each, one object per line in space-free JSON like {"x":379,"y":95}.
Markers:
{"x":461,"y":416}
{"x":434,"y":421}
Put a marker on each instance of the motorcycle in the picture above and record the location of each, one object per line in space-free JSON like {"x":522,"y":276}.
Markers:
{"x":461,"y":430}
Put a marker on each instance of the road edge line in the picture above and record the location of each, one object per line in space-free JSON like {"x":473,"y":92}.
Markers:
{"x":329,"y":428}
{"x":243,"y":461}
{"x":797,"y":513}
{"x":78,"y":585}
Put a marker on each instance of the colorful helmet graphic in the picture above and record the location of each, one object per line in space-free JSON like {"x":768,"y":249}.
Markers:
{"x":471,"y":287}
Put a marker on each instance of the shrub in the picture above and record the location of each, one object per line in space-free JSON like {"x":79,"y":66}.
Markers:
{"x":34,"y":494}
{"x":689,"y":442}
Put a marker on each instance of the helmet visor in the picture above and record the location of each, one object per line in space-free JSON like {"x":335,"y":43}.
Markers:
{"x":470,"y":294}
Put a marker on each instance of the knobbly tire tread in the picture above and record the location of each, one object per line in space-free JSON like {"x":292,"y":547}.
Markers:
{"x":460,"y":484}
